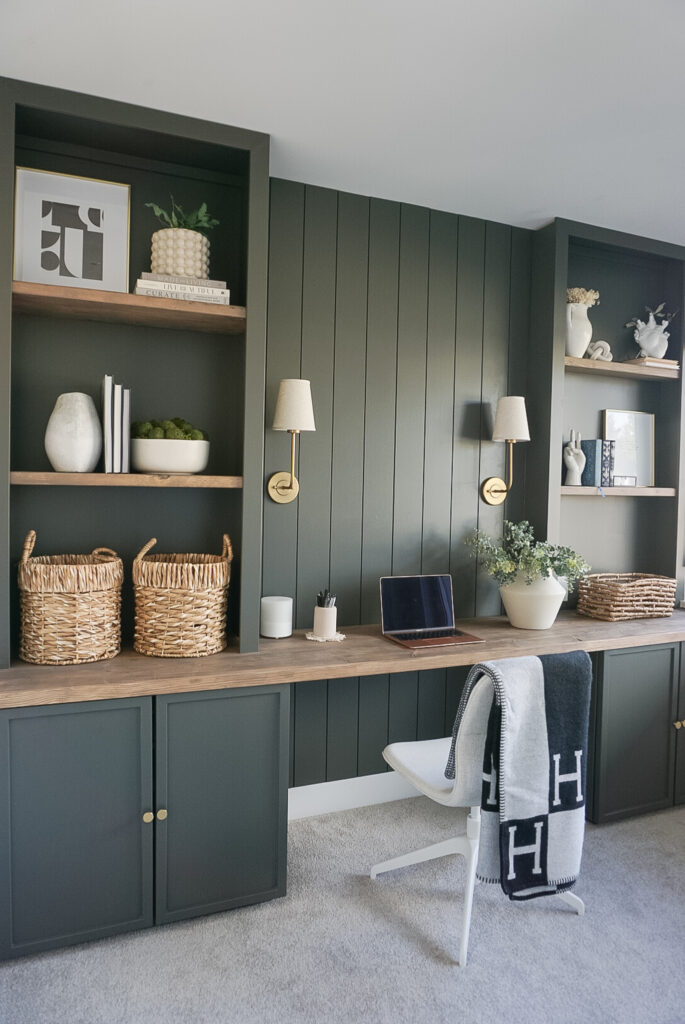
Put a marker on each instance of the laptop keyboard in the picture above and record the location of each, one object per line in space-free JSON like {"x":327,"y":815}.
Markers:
{"x":428,"y":634}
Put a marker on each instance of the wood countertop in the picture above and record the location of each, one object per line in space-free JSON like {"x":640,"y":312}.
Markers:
{"x":365,"y":652}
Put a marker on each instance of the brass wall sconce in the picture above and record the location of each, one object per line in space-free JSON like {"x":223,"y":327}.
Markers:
{"x":294,"y":413}
{"x":511,"y":425}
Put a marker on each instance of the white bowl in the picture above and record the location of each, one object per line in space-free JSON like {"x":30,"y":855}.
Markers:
{"x":158,"y":455}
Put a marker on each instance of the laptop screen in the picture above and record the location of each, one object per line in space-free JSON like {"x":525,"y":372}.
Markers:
{"x":416,"y":602}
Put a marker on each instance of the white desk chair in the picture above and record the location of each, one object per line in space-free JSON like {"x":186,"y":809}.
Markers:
{"x":423,"y":764}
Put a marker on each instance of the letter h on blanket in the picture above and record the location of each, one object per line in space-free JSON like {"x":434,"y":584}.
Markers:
{"x":517,"y":758}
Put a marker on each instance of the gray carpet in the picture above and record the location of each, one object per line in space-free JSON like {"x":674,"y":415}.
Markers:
{"x":340,"y":948}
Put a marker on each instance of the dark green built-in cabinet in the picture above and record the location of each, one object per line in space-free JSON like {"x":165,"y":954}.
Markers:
{"x":637,"y":733}
{"x":211,"y":376}
{"x":79,"y":861}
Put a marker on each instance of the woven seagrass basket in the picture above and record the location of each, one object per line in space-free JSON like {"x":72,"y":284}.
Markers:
{"x":70,"y":606}
{"x":180,"y":602}
{"x":630,"y":595}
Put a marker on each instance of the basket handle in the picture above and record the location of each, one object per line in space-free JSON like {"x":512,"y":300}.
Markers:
{"x":144,"y":550}
{"x":105,"y":551}
{"x":227,"y":549}
{"x":28,"y":546}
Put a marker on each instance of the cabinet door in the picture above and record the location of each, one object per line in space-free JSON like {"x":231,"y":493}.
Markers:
{"x":75,"y":854}
{"x":635,"y":740}
{"x":222,"y":777}
{"x":679,"y":797}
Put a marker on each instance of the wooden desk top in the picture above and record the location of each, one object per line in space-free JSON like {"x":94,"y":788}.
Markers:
{"x":365,"y":652}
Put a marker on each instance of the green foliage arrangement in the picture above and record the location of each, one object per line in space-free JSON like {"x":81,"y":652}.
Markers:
{"x":197,"y":220}
{"x":518,"y":554}
{"x":169,"y":430}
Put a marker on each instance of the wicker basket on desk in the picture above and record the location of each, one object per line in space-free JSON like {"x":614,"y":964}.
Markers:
{"x":181,"y":602}
{"x":70,"y":606}
{"x":630,"y":595}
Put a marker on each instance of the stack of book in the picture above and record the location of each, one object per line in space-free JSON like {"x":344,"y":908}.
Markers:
{"x":653,"y":361}
{"x":173,"y":286}
{"x":116,"y":425}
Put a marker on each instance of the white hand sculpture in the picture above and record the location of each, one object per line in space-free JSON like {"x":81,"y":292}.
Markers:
{"x":574,"y":460}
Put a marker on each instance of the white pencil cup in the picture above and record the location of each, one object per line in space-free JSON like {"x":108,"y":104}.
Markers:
{"x":276,"y":617}
{"x":325,"y":620}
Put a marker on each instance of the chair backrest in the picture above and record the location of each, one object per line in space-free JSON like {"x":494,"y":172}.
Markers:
{"x":468,"y":752}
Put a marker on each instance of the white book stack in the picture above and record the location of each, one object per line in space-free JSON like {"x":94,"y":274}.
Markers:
{"x":116,"y":425}
{"x":173,"y":286}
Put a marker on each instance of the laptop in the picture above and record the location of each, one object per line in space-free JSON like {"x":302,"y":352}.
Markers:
{"x":418,"y":612}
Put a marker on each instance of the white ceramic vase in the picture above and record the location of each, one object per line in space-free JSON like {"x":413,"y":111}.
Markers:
{"x":532,"y":605}
{"x":578,"y":329}
{"x":73,"y":437}
{"x":180,"y":251}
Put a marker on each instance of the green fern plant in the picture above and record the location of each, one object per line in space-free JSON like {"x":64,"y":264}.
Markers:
{"x":197,"y":220}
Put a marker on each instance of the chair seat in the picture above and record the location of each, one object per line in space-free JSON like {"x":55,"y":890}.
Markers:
{"x":423,"y":764}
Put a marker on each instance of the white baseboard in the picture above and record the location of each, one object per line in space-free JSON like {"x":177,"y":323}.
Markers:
{"x":344,"y":794}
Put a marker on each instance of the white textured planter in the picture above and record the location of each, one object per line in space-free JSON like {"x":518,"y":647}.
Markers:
{"x":73,"y":438}
{"x":578,"y":329}
{"x":180,"y":251}
{"x":532,"y":605}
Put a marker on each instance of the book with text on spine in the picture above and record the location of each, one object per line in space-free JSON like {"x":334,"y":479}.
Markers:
{"x":185,"y":289}
{"x":201,"y":282}
{"x":158,"y":293}
{"x":107,"y":421}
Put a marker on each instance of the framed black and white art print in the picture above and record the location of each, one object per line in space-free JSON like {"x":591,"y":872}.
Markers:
{"x":71,"y":231}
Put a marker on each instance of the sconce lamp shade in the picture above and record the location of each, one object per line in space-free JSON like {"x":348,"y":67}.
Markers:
{"x":294,"y":409}
{"x":511,"y":422}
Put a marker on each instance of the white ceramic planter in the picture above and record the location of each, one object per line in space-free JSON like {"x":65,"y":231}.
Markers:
{"x":532,"y":605}
{"x":73,"y":437}
{"x":180,"y":251}
{"x":159,"y":455}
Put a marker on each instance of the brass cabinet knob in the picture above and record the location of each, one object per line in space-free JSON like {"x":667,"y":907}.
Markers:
{"x":162,"y":814}
{"x":148,"y":817}
{"x":678,"y":725}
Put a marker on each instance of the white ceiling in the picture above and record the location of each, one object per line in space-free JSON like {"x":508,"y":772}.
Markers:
{"x":513,"y":110}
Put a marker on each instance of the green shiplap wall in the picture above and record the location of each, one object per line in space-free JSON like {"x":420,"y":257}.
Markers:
{"x":410,"y":325}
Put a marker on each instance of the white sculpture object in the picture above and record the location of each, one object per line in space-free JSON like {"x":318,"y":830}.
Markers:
{"x":652,"y":337}
{"x":600,"y":350}
{"x":574,"y":460}
{"x":73,"y":438}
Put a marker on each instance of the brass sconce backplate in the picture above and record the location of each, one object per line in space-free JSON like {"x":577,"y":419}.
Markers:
{"x":494,"y":490}
{"x":280,"y":490}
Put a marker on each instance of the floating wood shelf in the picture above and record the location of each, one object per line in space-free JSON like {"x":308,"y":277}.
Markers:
{"x":124,"y":480}
{"x":627,"y":370}
{"x":122,"y":308}
{"x":621,"y":492}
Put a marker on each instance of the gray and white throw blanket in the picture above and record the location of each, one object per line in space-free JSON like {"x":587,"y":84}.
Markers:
{"x":534,"y":768}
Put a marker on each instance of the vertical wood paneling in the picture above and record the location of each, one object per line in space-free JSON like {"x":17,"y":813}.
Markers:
{"x":381,"y":371}
{"x":311,"y":712}
{"x":318,"y":336}
{"x":519,"y":332}
{"x":348,"y":405}
{"x":372,"y":734}
{"x":439,"y":430}
{"x":341,"y":735}
{"x":406,"y":321}
{"x":284,"y":330}
{"x":410,"y":421}
{"x":494,"y":385}
{"x":410,"y":412}
{"x":467,"y":406}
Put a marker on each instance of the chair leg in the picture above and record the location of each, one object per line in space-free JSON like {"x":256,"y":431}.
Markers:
{"x":456,"y":845}
{"x":473,"y":841}
{"x":573,"y":901}
{"x":467,"y":846}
